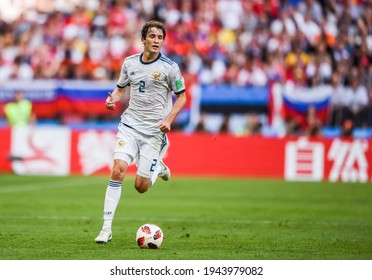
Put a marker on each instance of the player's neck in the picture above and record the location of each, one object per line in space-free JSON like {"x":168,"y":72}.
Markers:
{"x":149,"y":56}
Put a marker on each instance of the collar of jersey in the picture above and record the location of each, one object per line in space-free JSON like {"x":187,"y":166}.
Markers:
{"x":159,"y":56}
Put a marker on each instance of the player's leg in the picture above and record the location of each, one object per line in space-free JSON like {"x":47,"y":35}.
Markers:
{"x":148,"y":162}
{"x":125,"y":151}
{"x":146,"y":165}
{"x":113,"y":192}
{"x":142,"y":184}
{"x":112,"y":198}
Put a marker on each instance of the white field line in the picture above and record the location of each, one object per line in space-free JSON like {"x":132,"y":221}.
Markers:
{"x":40,"y":186}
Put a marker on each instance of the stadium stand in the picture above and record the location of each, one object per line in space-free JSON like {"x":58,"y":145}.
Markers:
{"x":238,"y":46}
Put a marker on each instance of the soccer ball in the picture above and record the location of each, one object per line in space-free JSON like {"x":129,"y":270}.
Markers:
{"x":149,"y":236}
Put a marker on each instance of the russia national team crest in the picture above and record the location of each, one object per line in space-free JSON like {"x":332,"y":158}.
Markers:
{"x":121,"y":144}
{"x":155,"y":75}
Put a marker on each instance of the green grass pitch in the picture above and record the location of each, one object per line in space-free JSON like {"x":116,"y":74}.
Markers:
{"x":55,"y":218}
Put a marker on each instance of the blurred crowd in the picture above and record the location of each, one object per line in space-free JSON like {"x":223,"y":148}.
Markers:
{"x":247,"y":43}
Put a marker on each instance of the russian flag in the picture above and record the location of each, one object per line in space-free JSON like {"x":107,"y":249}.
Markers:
{"x":297,"y":100}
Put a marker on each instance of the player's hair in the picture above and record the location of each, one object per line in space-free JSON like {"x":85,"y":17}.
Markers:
{"x":150,"y":24}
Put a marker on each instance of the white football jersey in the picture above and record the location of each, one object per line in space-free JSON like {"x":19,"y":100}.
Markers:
{"x":151,"y":86}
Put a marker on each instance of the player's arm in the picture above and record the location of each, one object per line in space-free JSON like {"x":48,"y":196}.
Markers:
{"x":120,"y":90}
{"x":165,"y":125}
{"x":114,"y":97}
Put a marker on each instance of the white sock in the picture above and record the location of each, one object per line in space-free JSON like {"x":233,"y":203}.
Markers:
{"x":112,"y":199}
{"x":155,"y":175}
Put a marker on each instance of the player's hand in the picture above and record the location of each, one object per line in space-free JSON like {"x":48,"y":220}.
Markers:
{"x":164,"y":126}
{"x":110,"y":105}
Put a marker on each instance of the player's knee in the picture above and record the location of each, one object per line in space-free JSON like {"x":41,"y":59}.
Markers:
{"x":118,"y":173}
{"x":141,"y":187}
{"x":142,"y":184}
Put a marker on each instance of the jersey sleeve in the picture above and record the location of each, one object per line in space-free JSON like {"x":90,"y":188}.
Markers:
{"x":177,"y":83}
{"x":124,"y":78}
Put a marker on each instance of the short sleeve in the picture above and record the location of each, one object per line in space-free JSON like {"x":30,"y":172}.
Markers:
{"x":124,"y":78}
{"x":177,"y":83}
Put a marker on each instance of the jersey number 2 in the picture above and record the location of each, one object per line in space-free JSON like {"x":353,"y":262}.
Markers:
{"x":142,"y":87}
{"x":152,"y":168}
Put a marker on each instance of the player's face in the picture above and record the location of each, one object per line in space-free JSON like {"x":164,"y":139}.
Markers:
{"x":154,"y":40}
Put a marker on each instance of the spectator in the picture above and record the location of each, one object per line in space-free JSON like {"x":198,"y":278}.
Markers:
{"x":338,"y":104}
{"x":19,"y":111}
{"x":313,"y":123}
{"x":320,"y":65}
{"x":311,"y":7}
{"x":359,"y":100}
{"x":368,"y":82}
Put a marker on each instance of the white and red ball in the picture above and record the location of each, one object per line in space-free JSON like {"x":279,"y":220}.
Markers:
{"x":149,"y":236}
